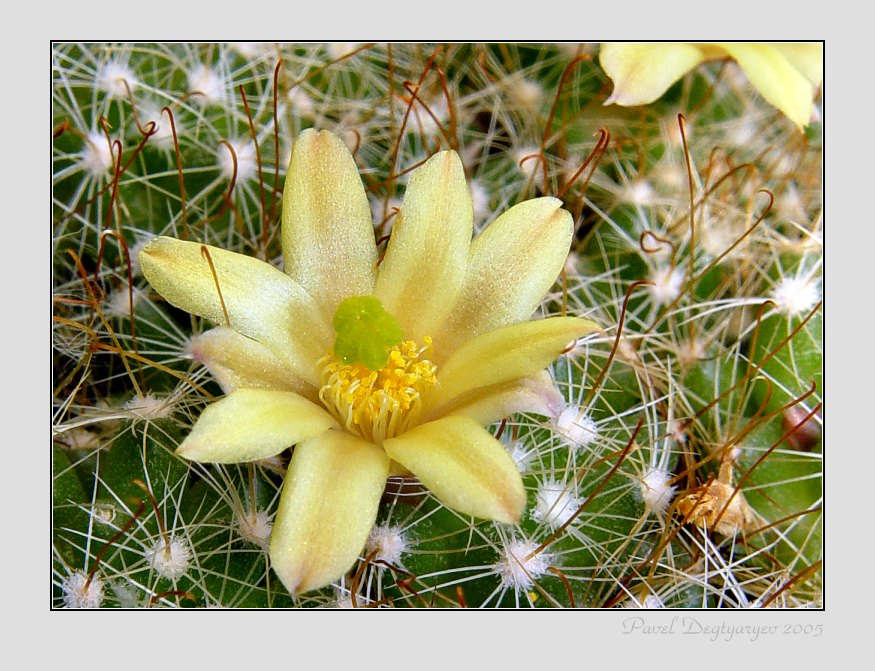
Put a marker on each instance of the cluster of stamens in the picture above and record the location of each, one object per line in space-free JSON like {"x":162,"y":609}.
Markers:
{"x":378,"y":404}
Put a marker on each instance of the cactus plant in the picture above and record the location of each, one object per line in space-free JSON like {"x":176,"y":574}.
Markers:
{"x":674,"y":461}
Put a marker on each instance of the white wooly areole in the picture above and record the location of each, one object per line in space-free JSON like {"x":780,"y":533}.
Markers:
{"x":576,"y":427}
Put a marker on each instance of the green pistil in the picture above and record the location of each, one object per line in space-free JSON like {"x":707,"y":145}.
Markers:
{"x":365,"y":332}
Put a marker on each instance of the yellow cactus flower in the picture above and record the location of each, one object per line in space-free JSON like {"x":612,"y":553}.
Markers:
{"x":786,"y":74}
{"x":372,"y":368}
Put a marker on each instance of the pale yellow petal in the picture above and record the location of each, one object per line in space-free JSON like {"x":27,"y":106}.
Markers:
{"x":512,"y":265}
{"x":257,"y":300}
{"x":536,"y":394}
{"x":238,"y":362}
{"x":806,"y":57}
{"x":504,"y":355}
{"x":773,"y":75}
{"x":328,"y":237}
{"x":464,"y":466}
{"x":423,"y":271}
{"x":327,"y":509}
{"x":642,"y":72}
{"x":252,"y":424}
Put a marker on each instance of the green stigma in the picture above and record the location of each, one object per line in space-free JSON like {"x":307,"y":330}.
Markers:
{"x":365,"y":332}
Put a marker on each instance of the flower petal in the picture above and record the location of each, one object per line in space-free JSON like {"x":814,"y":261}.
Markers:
{"x":776,"y":78}
{"x":806,"y":57}
{"x":261,"y":302}
{"x":642,"y":72}
{"x":238,"y":362}
{"x":536,"y":394}
{"x":328,"y":237}
{"x":512,"y":265}
{"x":327,"y":509}
{"x":504,"y":355}
{"x":464,"y":466}
{"x":424,"y":268}
{"x":252,"y":424}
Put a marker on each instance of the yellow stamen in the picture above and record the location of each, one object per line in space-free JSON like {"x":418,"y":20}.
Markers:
{"x":382,"y":403}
